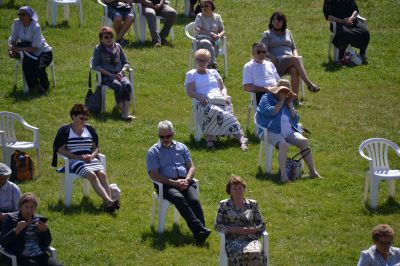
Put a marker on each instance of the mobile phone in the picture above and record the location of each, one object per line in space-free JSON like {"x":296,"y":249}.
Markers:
{"x":43,"y":219}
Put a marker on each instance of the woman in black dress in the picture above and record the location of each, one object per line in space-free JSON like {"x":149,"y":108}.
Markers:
{"x":348,"y":29}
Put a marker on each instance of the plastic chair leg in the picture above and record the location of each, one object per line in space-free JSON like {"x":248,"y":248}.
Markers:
{"x":143,"y":23}
{"x":103,"y":98}
{"x":39,"y":161}
{"x":80,"y":14}
{"x":66,"y":12}
{"x":176,"y":216}
{"x":391,"y":188}
{"x":86,"y":186}
{"x":162,"y":213}
{"x":153,"y":209}
{"x":16,"y":73}
{"x":260,"y":153}
{"x":61,"y":191}
{"x":53,"y":74}
{"x":268,"y":157}
{"x":53,"y":14}
{"x":374,"y":187}
{"x":68,"y":185}
{"x":223,"y":258}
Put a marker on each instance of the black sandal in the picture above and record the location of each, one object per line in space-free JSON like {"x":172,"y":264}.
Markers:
{"x":313,"y":88}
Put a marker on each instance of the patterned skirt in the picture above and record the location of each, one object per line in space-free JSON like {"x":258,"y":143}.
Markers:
{"x":217,"y":120}
{"x":245,"y":253}
{"x":82,"y":168}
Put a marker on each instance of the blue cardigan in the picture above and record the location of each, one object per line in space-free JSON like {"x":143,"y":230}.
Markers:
{"x":267,"y":117}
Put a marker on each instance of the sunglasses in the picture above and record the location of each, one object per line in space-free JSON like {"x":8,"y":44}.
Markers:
{"x":204,"y":6}
{"x":22,"y":14}
{"x":165,"y":137}
{"x":388,"y":243}
{"x":201,"y":60}
{"x":261,"y":52}
{"x":107,"y":37}
{"x":83,"y":118}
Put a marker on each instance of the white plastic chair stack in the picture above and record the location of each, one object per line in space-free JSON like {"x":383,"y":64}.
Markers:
{"x":143,"y":23}
{"x":330,"y":44}
{"x":51,"y":250}
{"x":68,"y":178}
{"x":163,"y":204}
{"x":223,"y":258}
{"x":379,"y":169}
{"x":106,"y":21}
{"x":104,"y":88}
{"x":52,"y":6}
{"x":191,"y":33}
{"x":8,"y":137}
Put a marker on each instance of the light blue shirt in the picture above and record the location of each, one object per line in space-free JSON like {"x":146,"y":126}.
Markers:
{"x":170,"y":162}
{"x":9,"y":197}
{"x":371,"y":257}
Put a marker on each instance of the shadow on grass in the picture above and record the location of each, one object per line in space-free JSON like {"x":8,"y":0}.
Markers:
{"x":63,"y":25}
{"x":10,"y":5}
{"x":85,"y":206}
{"x":181,"y":19}
{"x":251,"y":137}
{"x":19,"y":96}
{"x":390,"y":206}
{"x":172,"y":237}
{"x":263,"y":176}
{"x":330,"y":66}
{"x":220,"y":144}
{"x":115,"y":115}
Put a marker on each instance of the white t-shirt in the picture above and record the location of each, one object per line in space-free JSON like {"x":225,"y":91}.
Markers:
{"x":204,"y":83}
{"x":261,"y":75}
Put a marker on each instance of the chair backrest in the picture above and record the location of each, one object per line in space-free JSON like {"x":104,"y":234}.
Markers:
{"x":190,"y":31}
{"x":7,"y":125}
{"x":377,"y":150}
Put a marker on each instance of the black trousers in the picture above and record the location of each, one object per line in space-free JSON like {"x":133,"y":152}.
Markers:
{"x":35,"y":70}
{"x":188,"y":205}
{"x":41,"y":260}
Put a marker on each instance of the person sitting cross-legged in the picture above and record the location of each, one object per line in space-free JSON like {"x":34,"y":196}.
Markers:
{"x":169,"y":162}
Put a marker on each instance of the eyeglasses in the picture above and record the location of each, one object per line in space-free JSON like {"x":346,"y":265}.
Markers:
{"x":261,"y":52}
{"x":204,"y":6}
{"x":388,"y":243}
{"x":166,"y":137}
{"x":22,"y":14}
{"x":107,"y":37}
{"x":201,"y":60}
{"x":83,"y":118}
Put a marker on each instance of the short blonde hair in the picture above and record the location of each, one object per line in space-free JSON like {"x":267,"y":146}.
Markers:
{"x":202,"y":53}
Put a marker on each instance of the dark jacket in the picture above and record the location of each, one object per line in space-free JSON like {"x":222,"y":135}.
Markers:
{"x":62,"y":138}
{"x":14,"y":243}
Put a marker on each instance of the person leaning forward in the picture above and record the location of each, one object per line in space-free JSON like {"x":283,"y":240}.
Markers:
{"x":169,"y":162}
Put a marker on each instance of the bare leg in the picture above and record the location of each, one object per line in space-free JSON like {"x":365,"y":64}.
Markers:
{"x":303,"y":144}
{"x":125,"y":27}
{"x":98,"y":188}
{"x":117,"y":24}
{"x":294,"y":79}
{"x":282,"y":155}
{"x":104,"y":182}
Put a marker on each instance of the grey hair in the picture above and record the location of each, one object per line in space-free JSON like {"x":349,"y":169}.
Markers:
{"x":166,"y":124}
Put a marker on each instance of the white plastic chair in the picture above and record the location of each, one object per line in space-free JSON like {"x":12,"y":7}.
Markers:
{"x":68,"y":178}
{"x":377,"y":156}
{"x":104,"y":88}
{"x":186,"y":7}
{"x":265,"y":146}
{"x":106,"y":21}
{"x":52,"y":251}
{"x":52,"y":6}
{"x":143,"y":23}
{"x":191,"y":33}
{"x":333,"y":33}
{"x":8,"y":138}
{"x":223,"y":258}
{"x":163,"y":204}
{"x":194,"y":123}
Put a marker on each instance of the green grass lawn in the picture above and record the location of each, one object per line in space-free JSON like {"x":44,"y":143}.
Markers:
{"x":310,"y":222}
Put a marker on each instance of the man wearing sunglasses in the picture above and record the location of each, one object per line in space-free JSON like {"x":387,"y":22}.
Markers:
{"x":382,"y":253}
{"x":259,"y":74}
{"x":169,"y":162}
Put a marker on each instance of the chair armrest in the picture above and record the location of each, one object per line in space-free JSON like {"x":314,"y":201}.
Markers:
{"x":361,"y":151}
{"x":222,"y":250}
{"x":265,"y":244}
{"x":52,"y":251}
{"x":101,"y":3}
{"x":361,"y":18}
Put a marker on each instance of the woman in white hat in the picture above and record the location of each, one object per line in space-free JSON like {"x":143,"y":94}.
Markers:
{"x":276,"y":112}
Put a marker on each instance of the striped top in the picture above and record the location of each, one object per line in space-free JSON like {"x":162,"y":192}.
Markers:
{"x":82,"y":144}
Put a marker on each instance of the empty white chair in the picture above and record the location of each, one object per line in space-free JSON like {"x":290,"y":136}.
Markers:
{"x":379,"y":169}
{"x":163,"y":204}
{"x":104,"y":88}
{"x":52,"y":6}
{"x":191,"y":33}
{"x":8,"y":139}
{"x":68,"y":178}
{"x":223,"y":258}
{"x":143,"y":23}
{"x":106,"y":21}
{"x":333,"y":33}
{"x":51,"y":250}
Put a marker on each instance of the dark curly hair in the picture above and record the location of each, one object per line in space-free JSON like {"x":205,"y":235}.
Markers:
{"x":382,"y":230}
{"x":234,"y":180}
{"x":78,"y":109}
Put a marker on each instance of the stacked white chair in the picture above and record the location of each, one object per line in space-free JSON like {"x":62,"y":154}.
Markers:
{"x":9,"y":142}
{"x":379,"y":169}
{"x":52,"y":6}
{"x":68,"y":178}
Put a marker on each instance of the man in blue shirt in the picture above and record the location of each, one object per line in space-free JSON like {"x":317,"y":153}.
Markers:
{"x":9,"y":193}
{"x":169,"y":162}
